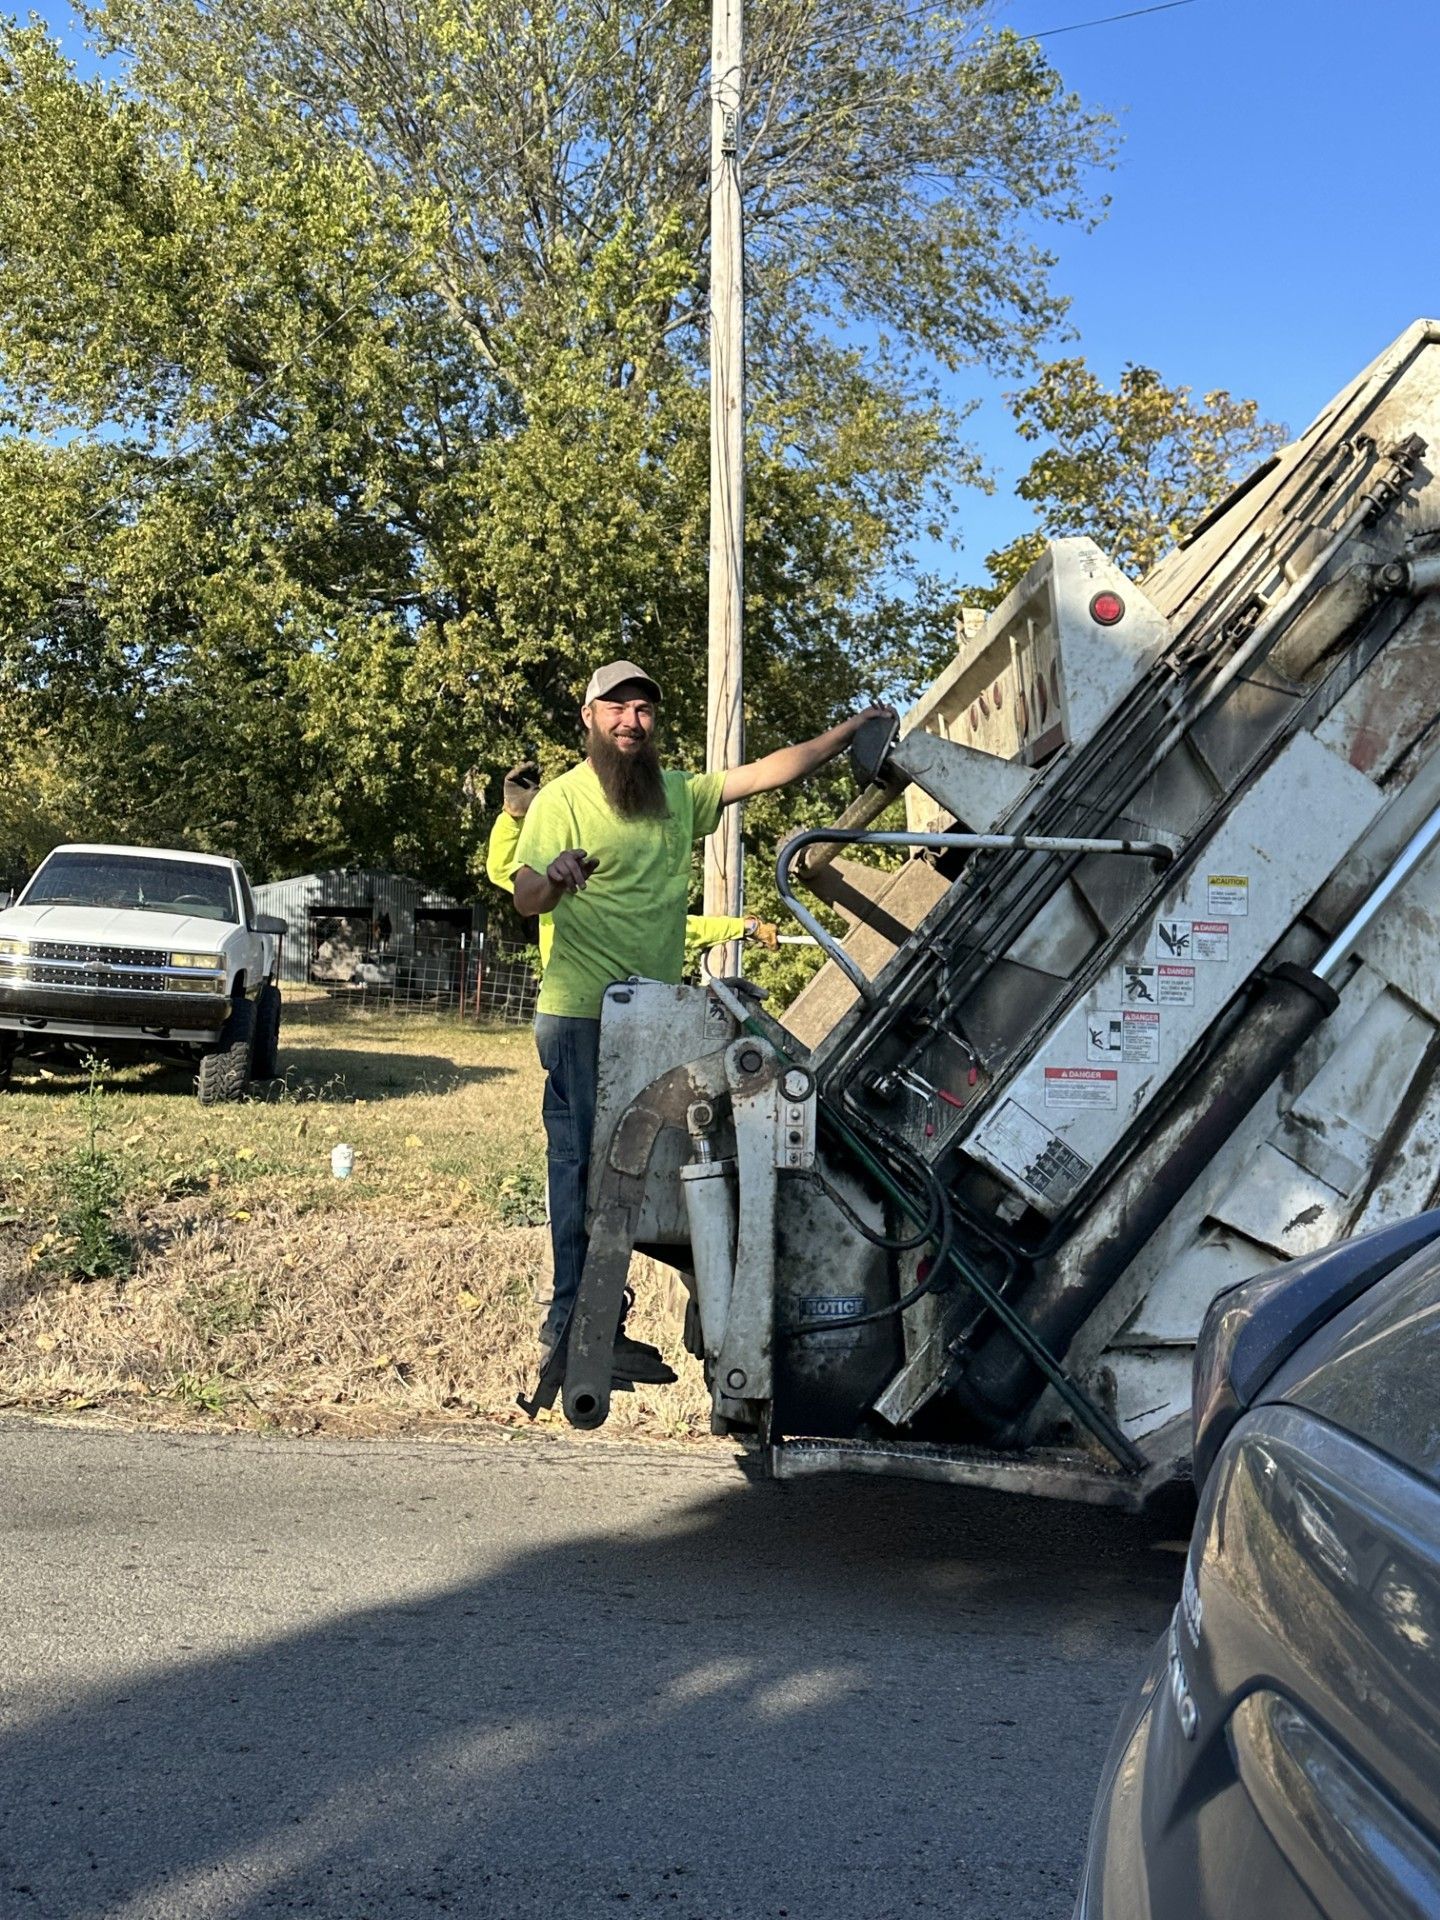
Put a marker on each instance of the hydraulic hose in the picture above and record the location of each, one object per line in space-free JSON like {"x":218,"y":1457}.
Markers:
{"x":930,"y":1284}
{"x":1090,"y":1416}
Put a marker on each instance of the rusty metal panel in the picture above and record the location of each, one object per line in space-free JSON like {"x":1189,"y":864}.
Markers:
{"x":900,"y":904}
{"x":1301,"y":1190}
{"x":1394,"y":703}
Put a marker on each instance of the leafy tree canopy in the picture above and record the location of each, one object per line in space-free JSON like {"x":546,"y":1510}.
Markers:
{"x":352,"y":385}
{"x":1132,"y":469}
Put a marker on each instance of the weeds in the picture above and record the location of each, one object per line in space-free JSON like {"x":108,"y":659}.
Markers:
{"x":262,"y":1289}
{"x":84,"y":1241}
{"x":233,"y":1303}
{"x":293,"y":1089}
{"x":520,"y":1199}
{"x":206,"y":1393}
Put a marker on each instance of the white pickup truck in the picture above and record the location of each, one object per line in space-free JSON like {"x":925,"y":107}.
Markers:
{"x":142,"y":950}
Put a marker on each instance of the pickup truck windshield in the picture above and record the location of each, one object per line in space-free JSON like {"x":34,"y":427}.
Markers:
{"x":134,"y":881}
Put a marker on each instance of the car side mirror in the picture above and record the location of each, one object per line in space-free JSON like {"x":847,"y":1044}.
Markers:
{"x":7,"y":899}
{"x":270,"y":923}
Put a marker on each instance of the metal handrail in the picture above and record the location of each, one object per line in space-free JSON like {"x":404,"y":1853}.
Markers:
{"x":1155,"y":850}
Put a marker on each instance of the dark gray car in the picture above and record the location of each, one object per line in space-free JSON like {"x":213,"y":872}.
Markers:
{"x":1281,"y":1758}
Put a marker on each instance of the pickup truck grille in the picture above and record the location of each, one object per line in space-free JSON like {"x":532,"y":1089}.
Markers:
{"x":101,"y":979}
{"x":105,"y":956}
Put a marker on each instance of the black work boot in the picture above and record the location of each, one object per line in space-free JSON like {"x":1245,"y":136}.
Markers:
{"x":641,"y":1365}
{"x":635,"y":1360}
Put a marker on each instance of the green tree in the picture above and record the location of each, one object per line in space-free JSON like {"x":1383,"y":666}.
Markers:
{"x":1131,"y":469}
{"x":352,"y":382}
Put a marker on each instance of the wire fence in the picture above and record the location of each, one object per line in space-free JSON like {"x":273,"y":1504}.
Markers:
{"x":493,"y":980}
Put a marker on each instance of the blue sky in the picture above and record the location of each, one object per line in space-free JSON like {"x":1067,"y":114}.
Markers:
{"x":1274,"y":221}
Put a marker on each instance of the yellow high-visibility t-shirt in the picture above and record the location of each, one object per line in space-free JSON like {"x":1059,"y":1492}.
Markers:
{"x":702,"y":930}
{"x":630,"y":918}
{"x":500,"y":867}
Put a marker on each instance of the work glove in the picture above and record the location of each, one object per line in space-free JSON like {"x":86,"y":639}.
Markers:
{"x":765,"y":931}
{"x":522,"y":783}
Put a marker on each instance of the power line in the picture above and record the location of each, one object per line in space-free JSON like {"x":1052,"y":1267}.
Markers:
{"x":1079,"y":26}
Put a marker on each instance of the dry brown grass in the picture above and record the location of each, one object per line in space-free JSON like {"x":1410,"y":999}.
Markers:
{"x":264,"y":1291}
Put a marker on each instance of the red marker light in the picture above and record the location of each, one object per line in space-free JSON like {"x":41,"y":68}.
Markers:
{"x":1107,"y":609}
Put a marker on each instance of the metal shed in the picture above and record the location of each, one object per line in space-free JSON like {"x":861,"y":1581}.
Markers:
{"x":355,"y":926}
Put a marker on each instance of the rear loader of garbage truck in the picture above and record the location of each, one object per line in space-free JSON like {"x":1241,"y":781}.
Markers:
{"x":1143,"y":999}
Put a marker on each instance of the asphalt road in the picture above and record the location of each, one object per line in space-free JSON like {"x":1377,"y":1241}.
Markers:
{"x":379,"y":1680}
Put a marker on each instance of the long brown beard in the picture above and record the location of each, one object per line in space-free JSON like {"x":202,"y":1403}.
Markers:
{"x":632,"y":782}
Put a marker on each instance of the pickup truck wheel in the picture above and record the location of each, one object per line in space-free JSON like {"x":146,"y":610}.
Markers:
{"x":264,"y":1055}
{"x":8,"y":1050}
{"x":225,"y":1073}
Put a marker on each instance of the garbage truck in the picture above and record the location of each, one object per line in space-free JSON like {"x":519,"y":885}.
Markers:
{"x":1138,"y":997}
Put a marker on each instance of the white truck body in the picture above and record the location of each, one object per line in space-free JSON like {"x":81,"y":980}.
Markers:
{"x":1156,"y":1008}
{"x":145,"y":949}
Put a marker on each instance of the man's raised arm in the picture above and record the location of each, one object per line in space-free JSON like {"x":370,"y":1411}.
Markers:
{"x":787,"y":764}
{"x":541,"y":892}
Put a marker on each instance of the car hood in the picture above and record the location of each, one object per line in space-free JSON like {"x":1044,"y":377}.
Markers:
{"x":115,"y":926}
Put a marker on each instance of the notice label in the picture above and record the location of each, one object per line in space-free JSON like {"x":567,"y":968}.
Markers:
{"x":1027,"y":1148}
{"x":1076,"y":1088}
{"x":1192,"y":939}
{"x":1175,"y":986}
{"x":1227,"y":895}
{"x":1132,"y":1036}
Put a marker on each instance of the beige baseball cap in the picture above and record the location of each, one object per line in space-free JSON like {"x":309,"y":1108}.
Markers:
{"x":605,"y":680}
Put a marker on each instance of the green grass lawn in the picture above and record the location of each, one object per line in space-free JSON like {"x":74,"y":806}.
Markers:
{"x":443,"y":1116}
{"x":164,"y":1261}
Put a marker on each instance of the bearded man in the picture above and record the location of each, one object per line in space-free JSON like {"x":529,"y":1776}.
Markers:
{"x":607,"y":848}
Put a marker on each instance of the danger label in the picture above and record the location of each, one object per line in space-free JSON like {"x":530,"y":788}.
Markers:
{"x":1141,"y":987}
{"x":1075,"y":1088}
{"x":1175,"y":986}
{"x":1192,"y":939}
{"x":1227,"y":895}
{"x":1027,"y":1148}
{"x":1132,"y":1036}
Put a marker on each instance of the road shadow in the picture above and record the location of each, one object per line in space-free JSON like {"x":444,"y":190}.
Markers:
{"x":835,"y":1700}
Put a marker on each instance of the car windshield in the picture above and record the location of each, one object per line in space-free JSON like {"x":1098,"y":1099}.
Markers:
{"x":134,"y":880}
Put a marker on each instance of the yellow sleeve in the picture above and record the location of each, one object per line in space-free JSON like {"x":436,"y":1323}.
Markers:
{"x":709,"y":930}
{"x":547,"y":829}
{"x":500,"y":853}
{"x":705,"y":790}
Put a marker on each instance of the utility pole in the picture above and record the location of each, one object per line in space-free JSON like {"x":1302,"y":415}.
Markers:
{"x":725,"y":729}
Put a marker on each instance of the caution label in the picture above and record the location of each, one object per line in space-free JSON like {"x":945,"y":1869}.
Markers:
{"x":1077,"y":1088}
{"x":1037,"y":1157}
{"x":1175,"y":986}
{"x":1192,"y":939}
{"x":1227,"y":895}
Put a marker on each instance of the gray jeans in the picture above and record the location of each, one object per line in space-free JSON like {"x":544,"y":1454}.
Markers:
{"x":569,"y":1051}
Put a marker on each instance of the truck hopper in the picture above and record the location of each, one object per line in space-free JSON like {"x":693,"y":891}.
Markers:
{"x":1141,"y":1000}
